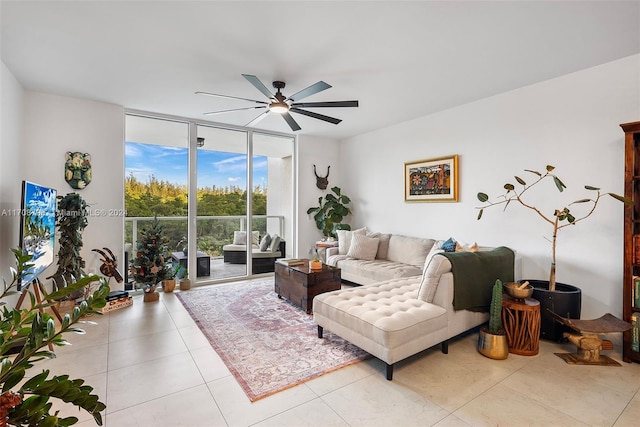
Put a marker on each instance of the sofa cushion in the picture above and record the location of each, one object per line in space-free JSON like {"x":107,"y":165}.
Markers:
{"x":265,"y":242}
{"x":373,"y":271}
{"x":234,"y":248}
{"x":431,"y":276}
{"x":383,"y":246}
{"x":409,"y":250}
{"x":275,"y":243}
{"x":363,"y":247}
{"x":344,"y":239}
{"x":387,"y":313}
{"x":239,"y":237}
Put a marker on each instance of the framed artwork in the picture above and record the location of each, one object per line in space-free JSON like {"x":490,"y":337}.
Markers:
{"x":431,"y":180}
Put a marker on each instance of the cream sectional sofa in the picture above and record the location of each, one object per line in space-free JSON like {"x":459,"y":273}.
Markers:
{"x":397,"y":318}
{"x":366,"y":258}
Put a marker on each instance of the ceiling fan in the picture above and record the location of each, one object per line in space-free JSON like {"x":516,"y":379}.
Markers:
{"x":280,"y":104}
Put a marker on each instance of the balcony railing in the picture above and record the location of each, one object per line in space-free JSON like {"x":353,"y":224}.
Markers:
{"x":212,"y":232}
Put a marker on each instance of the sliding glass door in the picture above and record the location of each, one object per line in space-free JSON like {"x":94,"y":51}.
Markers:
{"x":220,"y":192}
{"x":156,"y":176}
{"x":221,"y":226}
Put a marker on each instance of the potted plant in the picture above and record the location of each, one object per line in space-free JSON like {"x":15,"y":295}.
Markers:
{"x":148,"y":267}
{"x":330,"y":212}
{"x":71,"y":220}
{"x":169,"y":282}
{"x":492,"y":339}
{"x":183,"y":275}
{"x":29,"y":332}
{"x":560,"y":298}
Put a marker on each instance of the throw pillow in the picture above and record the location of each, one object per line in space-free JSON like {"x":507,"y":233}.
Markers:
{"x":363,"y":247}
{"x":383,"y":247}
{"x":461,"y":247}
{"x":275,"y":243}
{"x":449,"y":245}
{"x":255,"y":238}
{"x":431,"y":277}
{"x":239,"y":237}
{"x":265,"y":242}
{"x":344,"y":239}
{"x":409,"y":250}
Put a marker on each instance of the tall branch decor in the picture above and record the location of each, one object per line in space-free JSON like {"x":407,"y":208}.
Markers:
{"x":559,"y":219}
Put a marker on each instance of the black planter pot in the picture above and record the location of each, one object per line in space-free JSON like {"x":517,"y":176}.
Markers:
{"x":565,"y":301}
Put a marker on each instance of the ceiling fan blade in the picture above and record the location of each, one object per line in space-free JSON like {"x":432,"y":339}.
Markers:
{"x":232,"y":97}
{"x":313,"y":89}
{"x":235,"y":109}
{"x":325,"y":104}
{"x":291,"y":122}
{"x":316,"y":115}
{"x":257,"y":119}
{"x":258,"y":85}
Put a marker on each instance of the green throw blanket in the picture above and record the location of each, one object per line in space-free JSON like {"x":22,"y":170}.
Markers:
{"x":474,"y":274}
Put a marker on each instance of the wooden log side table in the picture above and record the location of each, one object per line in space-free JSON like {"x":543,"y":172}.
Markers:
{"x":521,"y":322}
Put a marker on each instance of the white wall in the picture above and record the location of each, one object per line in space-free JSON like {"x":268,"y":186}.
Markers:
{"x":11,"y":139}
{"x":54,"y":125}
{"x":571,"y":122}
{"x":321,"y":152}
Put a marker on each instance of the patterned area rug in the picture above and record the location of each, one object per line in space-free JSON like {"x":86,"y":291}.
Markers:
{"x":267,"y":343}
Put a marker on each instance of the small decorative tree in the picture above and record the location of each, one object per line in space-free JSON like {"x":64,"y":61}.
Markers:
{"x":71,"y":220}
{"x":149,"y":263}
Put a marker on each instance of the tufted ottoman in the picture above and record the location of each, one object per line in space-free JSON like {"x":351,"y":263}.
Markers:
{"x":385,"y":319}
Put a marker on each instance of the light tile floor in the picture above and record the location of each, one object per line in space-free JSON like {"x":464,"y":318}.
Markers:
{"x":152,"y":366}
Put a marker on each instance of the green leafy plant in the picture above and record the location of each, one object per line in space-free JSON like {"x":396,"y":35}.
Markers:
{"x":330,"y":212}
{"x":495,"y":310}
{"x":181,"y":271}
{"x":559,"y":219}
{"x":31,"y":331}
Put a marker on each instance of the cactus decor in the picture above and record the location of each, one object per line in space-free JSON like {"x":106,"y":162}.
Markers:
{"x":492,"y":341}
{"x":495,"y":312}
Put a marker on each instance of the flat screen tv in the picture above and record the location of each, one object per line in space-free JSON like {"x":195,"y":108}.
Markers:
{"x":37,"y":228}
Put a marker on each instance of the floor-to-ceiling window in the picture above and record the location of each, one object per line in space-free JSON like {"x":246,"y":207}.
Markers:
{"x":239,"y":180}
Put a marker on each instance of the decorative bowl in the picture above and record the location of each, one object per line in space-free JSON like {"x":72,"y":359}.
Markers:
{"x":513,"y":290}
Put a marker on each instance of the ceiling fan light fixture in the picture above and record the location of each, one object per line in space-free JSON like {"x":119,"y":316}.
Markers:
{"x":279,"y":107}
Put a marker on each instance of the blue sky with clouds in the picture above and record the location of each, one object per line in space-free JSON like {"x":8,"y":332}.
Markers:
{"x":170,"y":164}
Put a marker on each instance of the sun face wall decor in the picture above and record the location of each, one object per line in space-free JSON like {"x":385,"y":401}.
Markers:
{"x":77,"y":169}
{"x":431,"y":180}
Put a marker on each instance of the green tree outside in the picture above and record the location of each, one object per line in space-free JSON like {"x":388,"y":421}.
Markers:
{"x":164,"y":198}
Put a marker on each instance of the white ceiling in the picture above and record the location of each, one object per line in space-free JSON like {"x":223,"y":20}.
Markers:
{"x":401,"y":60}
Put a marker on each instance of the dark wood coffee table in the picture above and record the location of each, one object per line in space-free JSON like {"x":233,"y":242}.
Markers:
{"x":299,"y":284}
